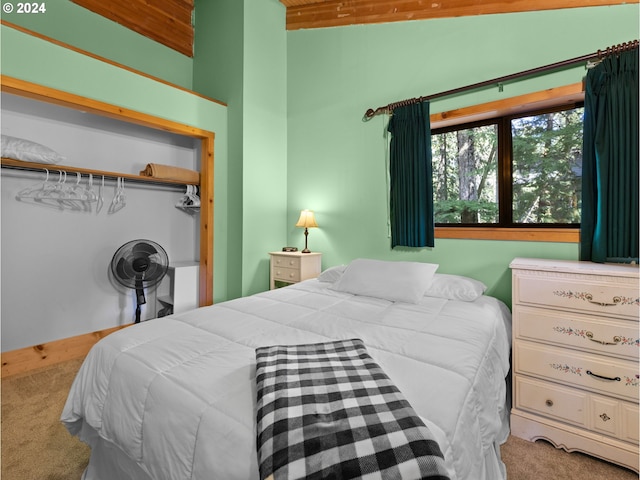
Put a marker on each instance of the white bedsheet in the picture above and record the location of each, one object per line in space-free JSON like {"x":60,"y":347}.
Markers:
{"x":174,"y":398}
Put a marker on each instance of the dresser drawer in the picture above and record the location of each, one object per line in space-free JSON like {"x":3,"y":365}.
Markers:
{"x":551,"y":400}
{"x":582,"y":370}
{"x":604,"y":415}
{"x":614,"y":418}
{"x":285,"y":261}
{"x":630,"y":422}
{"x":596,"y":334}
{"x":579,"y":294}
{"x":286,"y":274}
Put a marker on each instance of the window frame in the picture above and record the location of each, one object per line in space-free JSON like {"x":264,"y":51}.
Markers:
{"x":502,"y":112}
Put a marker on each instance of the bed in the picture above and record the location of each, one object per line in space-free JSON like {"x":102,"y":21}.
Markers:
{"x":175,"y":397}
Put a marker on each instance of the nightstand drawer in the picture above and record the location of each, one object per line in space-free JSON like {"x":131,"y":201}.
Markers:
{"x":578,"y":294}
{"x":286,"y":261}
{"x":592,"y":372}
{"x":286,"y":274}
{"x":595,"y":334}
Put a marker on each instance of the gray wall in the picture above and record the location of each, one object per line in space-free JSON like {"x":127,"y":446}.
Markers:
{"x":55,"y":263}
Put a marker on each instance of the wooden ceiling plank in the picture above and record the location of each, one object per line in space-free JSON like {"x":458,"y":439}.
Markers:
{"x":332,"y":13}
{"x":141,"y":12}
{"x":150,"y":20}
{"x":295,"y":3}
{"x":178,"y":9}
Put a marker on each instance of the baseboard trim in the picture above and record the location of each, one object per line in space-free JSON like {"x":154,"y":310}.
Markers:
{"x":26,"y":359}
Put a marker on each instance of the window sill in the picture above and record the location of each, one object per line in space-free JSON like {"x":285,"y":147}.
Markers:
{"x":563,"y":235}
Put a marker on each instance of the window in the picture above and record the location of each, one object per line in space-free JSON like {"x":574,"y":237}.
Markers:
{"x":511,"y":171}
{"x":465,"y":170}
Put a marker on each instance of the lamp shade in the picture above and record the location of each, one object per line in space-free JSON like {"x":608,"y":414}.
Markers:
{"x":307,"y":219}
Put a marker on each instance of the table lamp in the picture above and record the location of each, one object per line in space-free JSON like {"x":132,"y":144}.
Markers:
{"x":306,"y":220}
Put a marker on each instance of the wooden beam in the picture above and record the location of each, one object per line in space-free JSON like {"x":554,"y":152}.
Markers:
{"x":334,"y":13}
{"x":165,"y":21}
{"x":206,"y":221}
{"x":30,"y":358}
{"x":560,"y":235}
{"x":552,"y":97}
{"x":58,"y":97}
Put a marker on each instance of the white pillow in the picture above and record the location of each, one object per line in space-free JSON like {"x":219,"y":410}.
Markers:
{"x":455,"y":287}
{"x":28,"y":151}
{"x":393,"y":281}
{"x":332,"y":274}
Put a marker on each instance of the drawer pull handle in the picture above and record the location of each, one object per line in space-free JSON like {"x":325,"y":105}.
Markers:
{"x":616,"y":339}
{"x":612,"y":379}
{"x":549,"y":403}
{"x":616,"y":301}
{"x":605,"y":417}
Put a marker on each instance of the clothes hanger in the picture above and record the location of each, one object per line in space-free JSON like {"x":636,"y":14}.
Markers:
{"x":119,"y":198}
{"x":75,"y":196}
{"x":90,"y":193}
{"x":52,"y":193}
{"x":100,"y":201}
{"x":29,"y":192}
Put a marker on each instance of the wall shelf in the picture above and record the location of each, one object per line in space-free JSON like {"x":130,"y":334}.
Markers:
{"x":20,"y":165}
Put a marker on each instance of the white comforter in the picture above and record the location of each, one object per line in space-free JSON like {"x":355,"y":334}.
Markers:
{"x":176,"y":395}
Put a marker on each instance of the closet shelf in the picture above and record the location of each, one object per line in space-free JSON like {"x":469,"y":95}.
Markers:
{"x":20,"y":165}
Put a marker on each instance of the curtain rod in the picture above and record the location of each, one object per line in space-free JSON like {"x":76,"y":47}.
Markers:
{"x":600,"y":54}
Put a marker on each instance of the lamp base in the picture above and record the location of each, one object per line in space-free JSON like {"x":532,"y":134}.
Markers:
{"x":306,"y":236}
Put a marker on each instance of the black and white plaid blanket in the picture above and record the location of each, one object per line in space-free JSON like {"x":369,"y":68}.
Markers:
{"x":328,"y":411}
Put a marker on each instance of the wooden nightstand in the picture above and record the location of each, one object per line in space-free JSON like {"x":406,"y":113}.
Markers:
{"x":293,"y":267}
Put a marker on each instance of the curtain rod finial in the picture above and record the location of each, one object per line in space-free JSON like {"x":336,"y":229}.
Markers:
{"x":368,"y":115}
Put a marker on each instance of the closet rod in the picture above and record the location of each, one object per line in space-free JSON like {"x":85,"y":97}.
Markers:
{"x":20,"y":165}
{"x":616,"y":49}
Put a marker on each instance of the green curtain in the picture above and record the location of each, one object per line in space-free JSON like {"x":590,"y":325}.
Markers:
{"x":609,"y":225}
{"x":411,"y":182}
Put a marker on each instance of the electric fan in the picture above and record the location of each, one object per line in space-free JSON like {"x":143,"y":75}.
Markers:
{"x":139,"y":264}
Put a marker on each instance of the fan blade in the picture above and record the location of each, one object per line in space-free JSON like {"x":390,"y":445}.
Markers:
{"x":145,"y":248}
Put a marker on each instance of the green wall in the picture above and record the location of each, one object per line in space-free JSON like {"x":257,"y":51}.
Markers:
{"x":292,"y":136}
{"x":336,"y":161}
{"x":74,"y":25}
{"x":264,"y":138}
{"x":217,"y":72}
{"x":241,"y":59}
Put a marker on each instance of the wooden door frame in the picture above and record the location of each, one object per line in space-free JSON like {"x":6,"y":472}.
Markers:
{"x":35,"y":91}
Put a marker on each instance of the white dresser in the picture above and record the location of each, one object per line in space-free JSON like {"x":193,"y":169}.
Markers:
{"x":575,"y":356}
